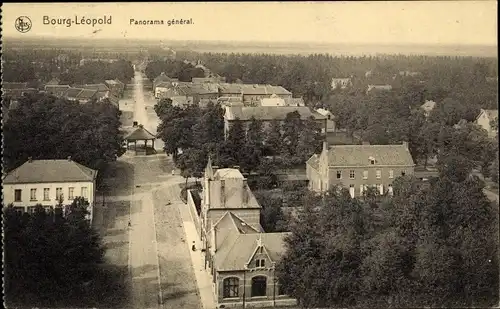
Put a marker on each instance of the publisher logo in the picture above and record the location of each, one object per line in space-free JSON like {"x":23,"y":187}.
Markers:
{"x":23,"y":24}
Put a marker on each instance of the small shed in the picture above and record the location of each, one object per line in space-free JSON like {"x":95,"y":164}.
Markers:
{"x":138,"y":135}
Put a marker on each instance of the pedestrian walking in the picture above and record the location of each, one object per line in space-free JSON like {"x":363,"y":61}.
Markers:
{"x":193,"y":247}
{"x":129,"y":225}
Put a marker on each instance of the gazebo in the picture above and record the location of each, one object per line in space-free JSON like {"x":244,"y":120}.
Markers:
{"x":140,"y":134}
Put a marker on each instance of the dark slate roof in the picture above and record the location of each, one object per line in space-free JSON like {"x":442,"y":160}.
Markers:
{"x":18,"y":93}
{"x":98,"y":87}
{"x":269,"y":112}
{"x":140,"y":134}
{"x":57,"y":90}
{"x":9,"y":85}
{"x":44,"y":171}
{"x":87,"y":94}
{"x":359,"y":155}
{"x":73,"y":92}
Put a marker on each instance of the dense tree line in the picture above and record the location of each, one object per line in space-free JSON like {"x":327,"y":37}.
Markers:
{"x":310,"y":76}
{"x":52,"y":259}
{"x":45,"y":127}
{"x":98,"y":72}
{"x":389,"y":118}
{"x":433,"y":245}
{"x":43,"y":64}
{"x":173,"y":69}
{"x":196,"y":133}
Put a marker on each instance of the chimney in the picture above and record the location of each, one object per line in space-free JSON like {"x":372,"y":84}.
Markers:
{"x":30,"y":159}
{"x":244,"y":192}
{"x":69,"y":158}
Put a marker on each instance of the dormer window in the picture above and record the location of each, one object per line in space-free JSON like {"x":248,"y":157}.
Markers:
{"x":372,"y":160}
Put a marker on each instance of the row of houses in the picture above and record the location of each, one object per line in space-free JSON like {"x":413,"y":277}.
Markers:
{"x":238,"y":254}
{"x":213,"y":89}
{"x":484,"y":119}
{"x":110,"y":89}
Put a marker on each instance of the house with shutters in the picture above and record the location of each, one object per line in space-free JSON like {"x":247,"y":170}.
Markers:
{"x":47,"y":182}
{"x":239,"y":255}
{"x":358,"y":167}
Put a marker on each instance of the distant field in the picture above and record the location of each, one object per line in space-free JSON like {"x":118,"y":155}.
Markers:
{"x":304,"y":48}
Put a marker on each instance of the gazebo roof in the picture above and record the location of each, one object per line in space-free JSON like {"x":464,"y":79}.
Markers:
{"x":140,"y":134}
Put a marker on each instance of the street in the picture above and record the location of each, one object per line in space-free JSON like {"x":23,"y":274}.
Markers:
{"x":157,"y":255}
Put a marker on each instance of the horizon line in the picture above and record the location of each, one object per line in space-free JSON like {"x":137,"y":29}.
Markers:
{"x":159,"y":40}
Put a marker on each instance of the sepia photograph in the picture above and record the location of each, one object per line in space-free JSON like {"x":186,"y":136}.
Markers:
{"x":205,"y":155}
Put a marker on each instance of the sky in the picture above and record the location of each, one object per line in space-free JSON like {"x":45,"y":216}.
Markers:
{"x":419,"y":22}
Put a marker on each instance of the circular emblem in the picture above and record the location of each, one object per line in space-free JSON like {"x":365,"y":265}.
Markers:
{"x":23,"y":24}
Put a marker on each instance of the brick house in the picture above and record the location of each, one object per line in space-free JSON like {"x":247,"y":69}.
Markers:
{"x":358,"y":167}
{"x":239,"y":255}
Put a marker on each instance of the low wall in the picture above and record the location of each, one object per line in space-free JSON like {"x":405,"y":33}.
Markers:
{"x":192,"y":211}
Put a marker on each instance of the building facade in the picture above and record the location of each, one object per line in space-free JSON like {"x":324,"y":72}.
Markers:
{"x":358,"y":167}
{"x":49,"y":182}
{"x":266,"y":114}
{"x":239,"y":255}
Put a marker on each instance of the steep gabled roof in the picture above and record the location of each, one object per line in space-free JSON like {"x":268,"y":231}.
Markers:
{"x":45,"y":171}
{"x":238,"y":250}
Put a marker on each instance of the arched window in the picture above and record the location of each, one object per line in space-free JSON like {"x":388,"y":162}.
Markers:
{"x":259,"y":286}
{"x":231,"y":287}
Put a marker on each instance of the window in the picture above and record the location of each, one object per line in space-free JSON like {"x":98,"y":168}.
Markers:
{"x":352,"y":174}
{"x":46,"y":193}
{"x":365,"y":174}
{"x":339,"y":174}
{"x":71,"y":192}
{"x":33,"y":195}
{"x":391,"y":174}
{"x":231,"y":287}
{"x":17,"y":195}
{"x":84,"y":192}
{"x":379,"y":174}
{"x":372,"y":161}
{"x":59,"y":194}
{"x":403,"y":173}
{"x":260,"y":263}
{"x":259,"y":286}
